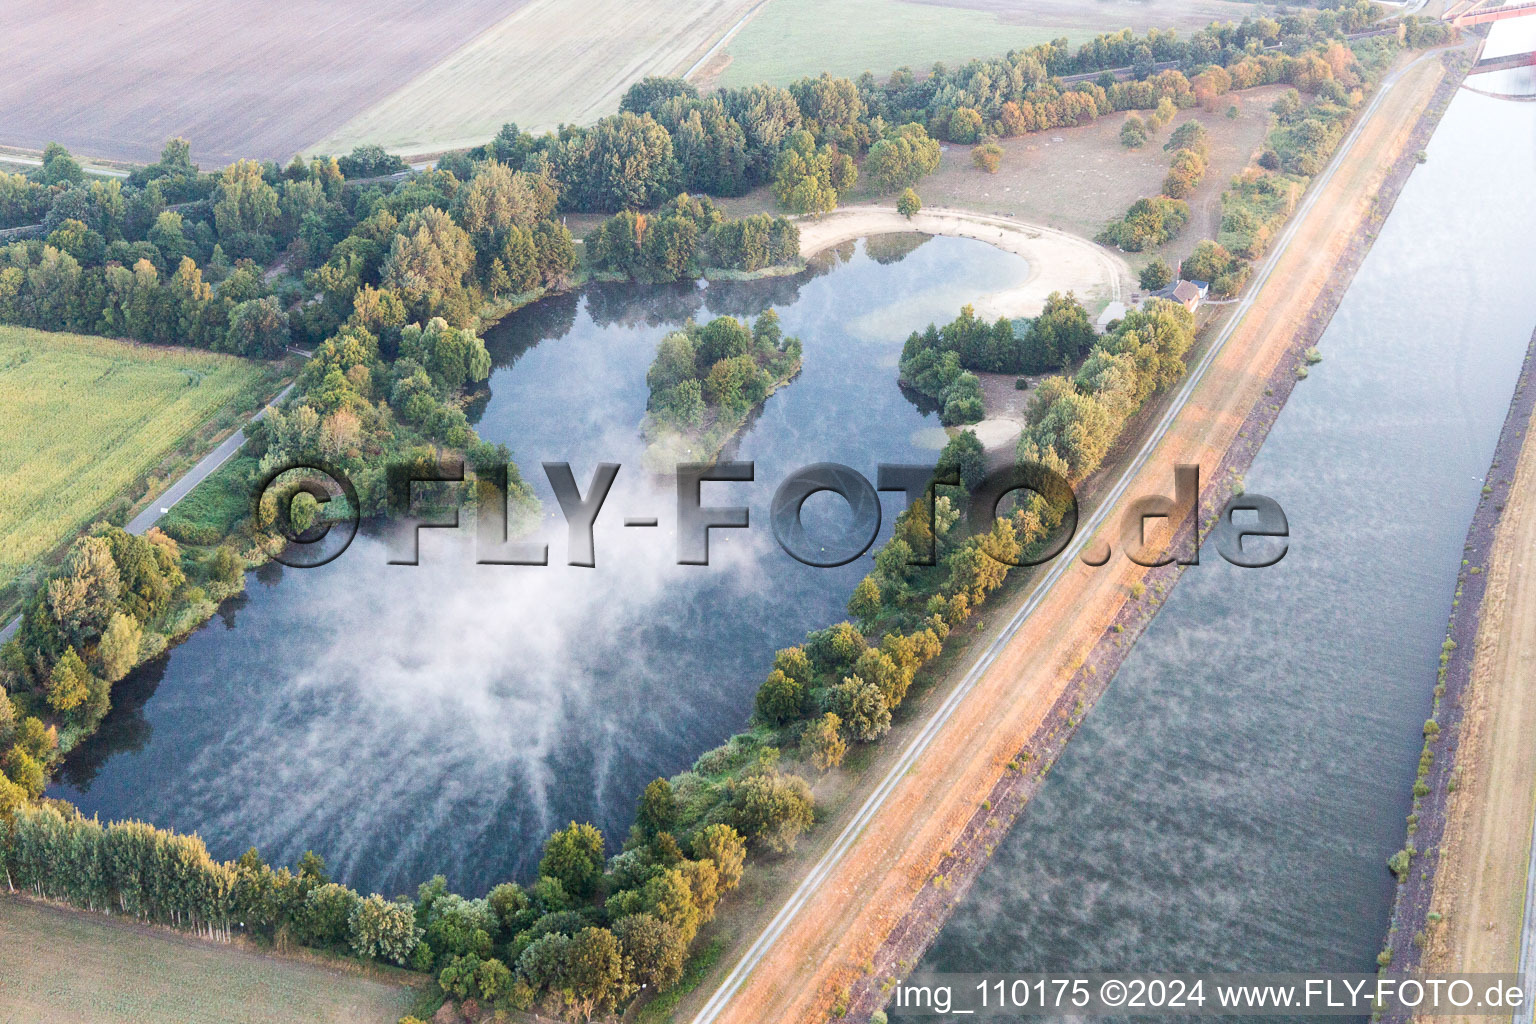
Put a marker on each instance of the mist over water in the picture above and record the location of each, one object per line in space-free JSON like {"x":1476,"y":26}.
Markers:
{"x":1231,"y":801}
{"x":405,"y":721}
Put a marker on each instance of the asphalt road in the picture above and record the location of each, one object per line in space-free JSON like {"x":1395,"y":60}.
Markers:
{"x":808,"y":888}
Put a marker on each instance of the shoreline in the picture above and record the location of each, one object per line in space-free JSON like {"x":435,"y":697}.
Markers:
{"x":1058,"y":261}
{"x":925,"y":918}
{"x":1416,"y":894}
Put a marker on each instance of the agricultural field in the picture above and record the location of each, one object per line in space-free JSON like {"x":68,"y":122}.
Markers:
{"x":116,"y":78}
{"x":91,"y":420}
{"x":138,"y":975}
{"x":550,"y":61}
{"x":788,"y":39}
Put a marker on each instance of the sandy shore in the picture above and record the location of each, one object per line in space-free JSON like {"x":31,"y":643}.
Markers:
{"x":1058,"y":261}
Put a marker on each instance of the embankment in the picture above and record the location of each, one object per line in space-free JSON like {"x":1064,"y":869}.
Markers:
{"x":1012,"y":792}
{"x":880,"y":904}
{"x":1460,"y":907}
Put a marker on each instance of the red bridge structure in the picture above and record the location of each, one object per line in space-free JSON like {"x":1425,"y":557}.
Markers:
{"x":1482,"y":12}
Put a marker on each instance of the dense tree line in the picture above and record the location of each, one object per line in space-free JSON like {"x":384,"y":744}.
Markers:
{"x":939,"y":362}
{"x":710,"y":376}
{"x":115,"y":601}
{"x":585,"y":938}
{"x":841,"y":686}
{"x":686,"y":236}
{"x":1306,"y":132}
{"x":1073,"y":421}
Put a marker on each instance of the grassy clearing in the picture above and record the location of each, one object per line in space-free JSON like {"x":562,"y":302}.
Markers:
{"x":1077,"y":179}
{"x":59,"y":966}
{"x":88,"y":424}
{"x":791,"y":38}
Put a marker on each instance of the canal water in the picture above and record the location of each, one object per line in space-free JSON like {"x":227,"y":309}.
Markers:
{"x":1231,"y":801}
{"x":405,"y":721}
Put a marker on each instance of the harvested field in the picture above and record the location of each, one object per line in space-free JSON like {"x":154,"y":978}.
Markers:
{"x":237,"y":79}
{"x":87,"y":419}
{"x":791,"y":38}
{"x":61,"y":966}
{"x":550,"y":61}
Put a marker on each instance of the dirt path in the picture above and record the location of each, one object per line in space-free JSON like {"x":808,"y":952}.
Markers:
{"x":1480,"y":883}
{"x":834,"y":939}
{"x":1058,"y":261}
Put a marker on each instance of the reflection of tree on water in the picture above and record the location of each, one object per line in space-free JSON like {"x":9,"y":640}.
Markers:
{"x":627,"y":304}
{"x":124,"y":730}
{"x":893,"y":248}
{"x":921,"y":402}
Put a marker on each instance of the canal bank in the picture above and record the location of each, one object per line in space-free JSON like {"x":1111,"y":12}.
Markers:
{"x":1231,"y":802}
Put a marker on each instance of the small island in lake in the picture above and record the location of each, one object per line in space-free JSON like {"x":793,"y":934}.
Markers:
{"x":706,"y":381}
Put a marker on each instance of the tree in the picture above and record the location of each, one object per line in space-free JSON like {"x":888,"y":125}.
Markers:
{"x":648,"y":93}
{"x":1133,"y":133}
{"x":1059,"y":336}
{"x":381,"y":930}
{"x":325,"y":920}
{"x":84,"y":595}
{"x":965,"y":454}
{"x":772,"y":809}
{"x":965,"y":125}
{"x":556,"y":253}
{"x":594,"y":972}
{"x":823,"y":744}
{"x":865,"y":602}
{"x":243,"y":202}
{"x":988,"y":157}
{"x":723,"y":846}
{"x":498,"y":199}
{"x":451,"y":357}
{"x":624,"y":162}
{"x":908,"y":204}
{"x":808,"y":178}
{"x":862,"y":707}
{"x":779,"y":699}
{"x":902,"y":157}
{"x":658,"y":808}
{"x":258,"y":329}
{"x":119,"y":648}
{"x":574,"y":857}
{"x":69,"y":685}
{"x":724,"y":337}
{"x":1156,"y":274}
{"x":653,"y":950}
{"x":430,"y":264}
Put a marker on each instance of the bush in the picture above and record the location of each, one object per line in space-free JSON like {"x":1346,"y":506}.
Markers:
{"x":1133,"y":133}
{"x":1149,"y":222}
{"x":988,"y":157}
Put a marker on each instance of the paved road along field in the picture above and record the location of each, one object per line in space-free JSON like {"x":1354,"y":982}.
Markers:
{"x":141,"y":523}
